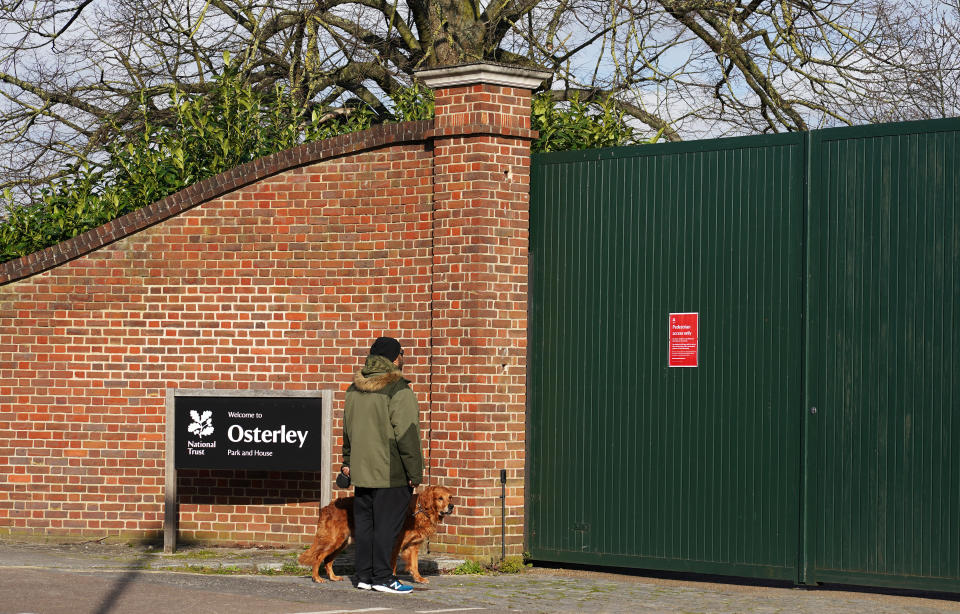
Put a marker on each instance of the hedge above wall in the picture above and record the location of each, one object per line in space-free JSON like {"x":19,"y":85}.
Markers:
{"x":377,"y":136}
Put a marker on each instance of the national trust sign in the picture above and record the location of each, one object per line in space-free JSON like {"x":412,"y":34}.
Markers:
{"x":245,"y":430}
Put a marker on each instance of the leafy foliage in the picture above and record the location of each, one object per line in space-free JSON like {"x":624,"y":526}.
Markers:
{"x":509,"y":565}
{"x":413,"y":103}
{"x":468,"y":568}
{"x":206,"y":135}
{"x":512,"y":564}
{"x":577,"y":125}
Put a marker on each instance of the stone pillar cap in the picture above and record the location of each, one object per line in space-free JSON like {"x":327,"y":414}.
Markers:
{"x":507,"y":75}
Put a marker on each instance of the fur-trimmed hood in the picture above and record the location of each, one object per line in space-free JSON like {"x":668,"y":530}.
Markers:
{"x":377,"y":373}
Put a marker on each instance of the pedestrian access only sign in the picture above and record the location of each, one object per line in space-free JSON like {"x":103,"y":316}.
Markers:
{"x":684,"y":344}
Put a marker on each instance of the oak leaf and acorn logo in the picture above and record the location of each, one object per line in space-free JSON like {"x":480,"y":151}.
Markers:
{"x":202,"y":424}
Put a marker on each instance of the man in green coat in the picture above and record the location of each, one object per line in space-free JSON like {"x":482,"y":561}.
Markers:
{"x":383,"y":458}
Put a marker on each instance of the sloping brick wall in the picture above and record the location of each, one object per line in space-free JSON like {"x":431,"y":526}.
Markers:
{"x":276,"y":276}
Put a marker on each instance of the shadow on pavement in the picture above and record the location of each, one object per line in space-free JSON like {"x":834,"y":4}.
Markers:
{"x":122,"y":584}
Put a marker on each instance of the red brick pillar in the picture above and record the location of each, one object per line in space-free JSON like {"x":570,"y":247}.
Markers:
{"x":479,"y":332}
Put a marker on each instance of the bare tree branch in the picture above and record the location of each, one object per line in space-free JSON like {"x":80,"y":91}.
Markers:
{"x":74,"y":75}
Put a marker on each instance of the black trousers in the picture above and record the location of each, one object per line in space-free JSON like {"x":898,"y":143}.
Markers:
{"x":378,"y":515}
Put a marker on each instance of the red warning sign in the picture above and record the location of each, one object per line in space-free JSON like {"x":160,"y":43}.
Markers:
{"x":684,"y":339}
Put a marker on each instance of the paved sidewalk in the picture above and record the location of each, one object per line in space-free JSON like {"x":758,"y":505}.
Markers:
{"x":536,"y":590}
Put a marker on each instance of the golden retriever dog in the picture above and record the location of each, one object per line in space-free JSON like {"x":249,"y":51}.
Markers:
{"x":335,"y":528}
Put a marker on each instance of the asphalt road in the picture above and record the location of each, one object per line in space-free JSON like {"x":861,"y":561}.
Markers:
{"x":44,"y":591}
{"x":99,"y":579}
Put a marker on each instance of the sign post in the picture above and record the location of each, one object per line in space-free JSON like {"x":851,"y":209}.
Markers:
{"x":245,"y":430}
{"x":684,"y":340}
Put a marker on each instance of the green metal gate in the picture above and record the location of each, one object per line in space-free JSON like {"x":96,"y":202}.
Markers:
{"x":884,"y":506}
{"x":634,"y":463}
{"x":824,"y":271}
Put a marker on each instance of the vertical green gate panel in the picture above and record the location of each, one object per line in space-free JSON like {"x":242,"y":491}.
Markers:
{"x":631,"y":462}
{"x":883,"y":364}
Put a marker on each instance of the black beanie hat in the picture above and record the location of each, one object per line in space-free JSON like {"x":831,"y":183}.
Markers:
{"x":388,"y":347}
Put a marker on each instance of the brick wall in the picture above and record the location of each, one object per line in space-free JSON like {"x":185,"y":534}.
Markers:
{"x":480,"y":194}
{"x":276,"y":276}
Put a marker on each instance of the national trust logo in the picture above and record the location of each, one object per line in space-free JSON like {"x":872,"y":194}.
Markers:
{"x":202,"y":424}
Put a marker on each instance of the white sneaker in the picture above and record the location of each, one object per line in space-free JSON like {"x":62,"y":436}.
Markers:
{"x":364,"y":586}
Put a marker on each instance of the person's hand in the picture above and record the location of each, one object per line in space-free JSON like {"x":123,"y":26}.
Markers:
{"x":345,"y":471}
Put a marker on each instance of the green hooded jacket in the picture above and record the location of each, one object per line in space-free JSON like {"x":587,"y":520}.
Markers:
{"x":381,"y":428}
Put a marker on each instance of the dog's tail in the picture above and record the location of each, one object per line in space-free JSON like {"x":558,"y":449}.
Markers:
{"x":309,"y":556}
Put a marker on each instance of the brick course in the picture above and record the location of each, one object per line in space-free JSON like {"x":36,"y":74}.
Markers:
{"x":276,"y":276}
